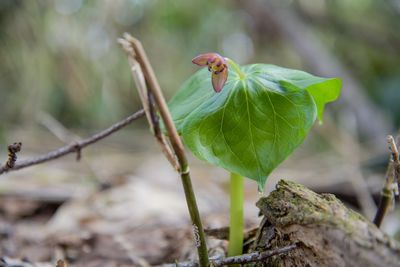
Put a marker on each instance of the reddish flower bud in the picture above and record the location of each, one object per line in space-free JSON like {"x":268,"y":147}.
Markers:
{"x":217,"y":65}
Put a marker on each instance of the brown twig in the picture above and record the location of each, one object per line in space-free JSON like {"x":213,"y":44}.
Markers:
{"x":166,"y":149}
{"x":253,"y":257}
{"x":241,"y":259}
{"x":136,"y":52}
{"x":395,"y":157}
{"x":75,"y":147}
{"x":147,"y":100}
{"x":386,"y":197}
{"x":392,"y":177}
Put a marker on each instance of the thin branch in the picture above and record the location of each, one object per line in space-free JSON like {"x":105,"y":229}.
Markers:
{"x":147,"y":100}
{"x":141,"y":57}
{"x":392,"y":177}
{"x":75,"y":147}
{"x":241,"y":259}
{"x":254,"y":257}
{"x":395,"y":157}
{"x":393,"y":148}
{"x":136,"y":52}
{"x":386,"y":198}
{"x":56,"y":128}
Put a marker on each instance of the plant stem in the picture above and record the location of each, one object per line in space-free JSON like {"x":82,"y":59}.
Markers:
{"x":236,"y":218}
{"x":236,"y":68}
{"x":392,"y":176}
{"x":198,"y":230}
{"x":139,"y":54}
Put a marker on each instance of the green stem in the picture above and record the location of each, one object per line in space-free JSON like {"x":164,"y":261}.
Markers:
{"x":200,"y":240}
{"x":236,"y":68}
{"x":236,"y":218}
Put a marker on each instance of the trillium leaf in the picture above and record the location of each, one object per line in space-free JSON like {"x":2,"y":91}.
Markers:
{"x":254,"y":123}
{"x":323,"y":90}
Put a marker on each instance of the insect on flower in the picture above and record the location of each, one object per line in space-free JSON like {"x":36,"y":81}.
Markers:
{"x":217,"y":66}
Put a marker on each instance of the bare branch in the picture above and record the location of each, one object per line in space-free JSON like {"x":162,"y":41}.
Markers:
{"x":241,"y":259}
{"x":392,"y":178}
{"x":394,"y":148}
{"x":136,"y":52}
{"x":134,"y":48}
{"x":75,"y":147}
{"x":147,"y":100}
{"x":253,"y":257}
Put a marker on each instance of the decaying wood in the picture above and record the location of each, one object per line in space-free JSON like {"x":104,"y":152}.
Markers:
{"x":327,"y":233}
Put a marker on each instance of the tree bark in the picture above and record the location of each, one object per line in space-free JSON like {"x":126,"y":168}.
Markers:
{"x":328,"y":233}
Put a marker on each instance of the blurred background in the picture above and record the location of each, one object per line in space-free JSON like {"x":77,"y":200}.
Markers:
{"x":61,"y":57}
{"x":63,"y":76}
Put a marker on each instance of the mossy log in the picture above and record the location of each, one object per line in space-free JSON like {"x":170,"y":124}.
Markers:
{"x":328,"y":233}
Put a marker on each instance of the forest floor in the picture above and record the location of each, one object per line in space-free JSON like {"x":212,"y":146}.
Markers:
{"x":122,"y":204}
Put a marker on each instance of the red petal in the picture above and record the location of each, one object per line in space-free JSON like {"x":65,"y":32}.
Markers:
{"x":218,"y":80}
{"x":203,"y":59}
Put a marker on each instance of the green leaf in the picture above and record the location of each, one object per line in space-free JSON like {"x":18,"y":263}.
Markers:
{"x":254,"y":123}
{"x":321,"y":89}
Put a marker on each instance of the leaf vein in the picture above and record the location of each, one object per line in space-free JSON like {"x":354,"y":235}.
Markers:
{"x":251,"y":133}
